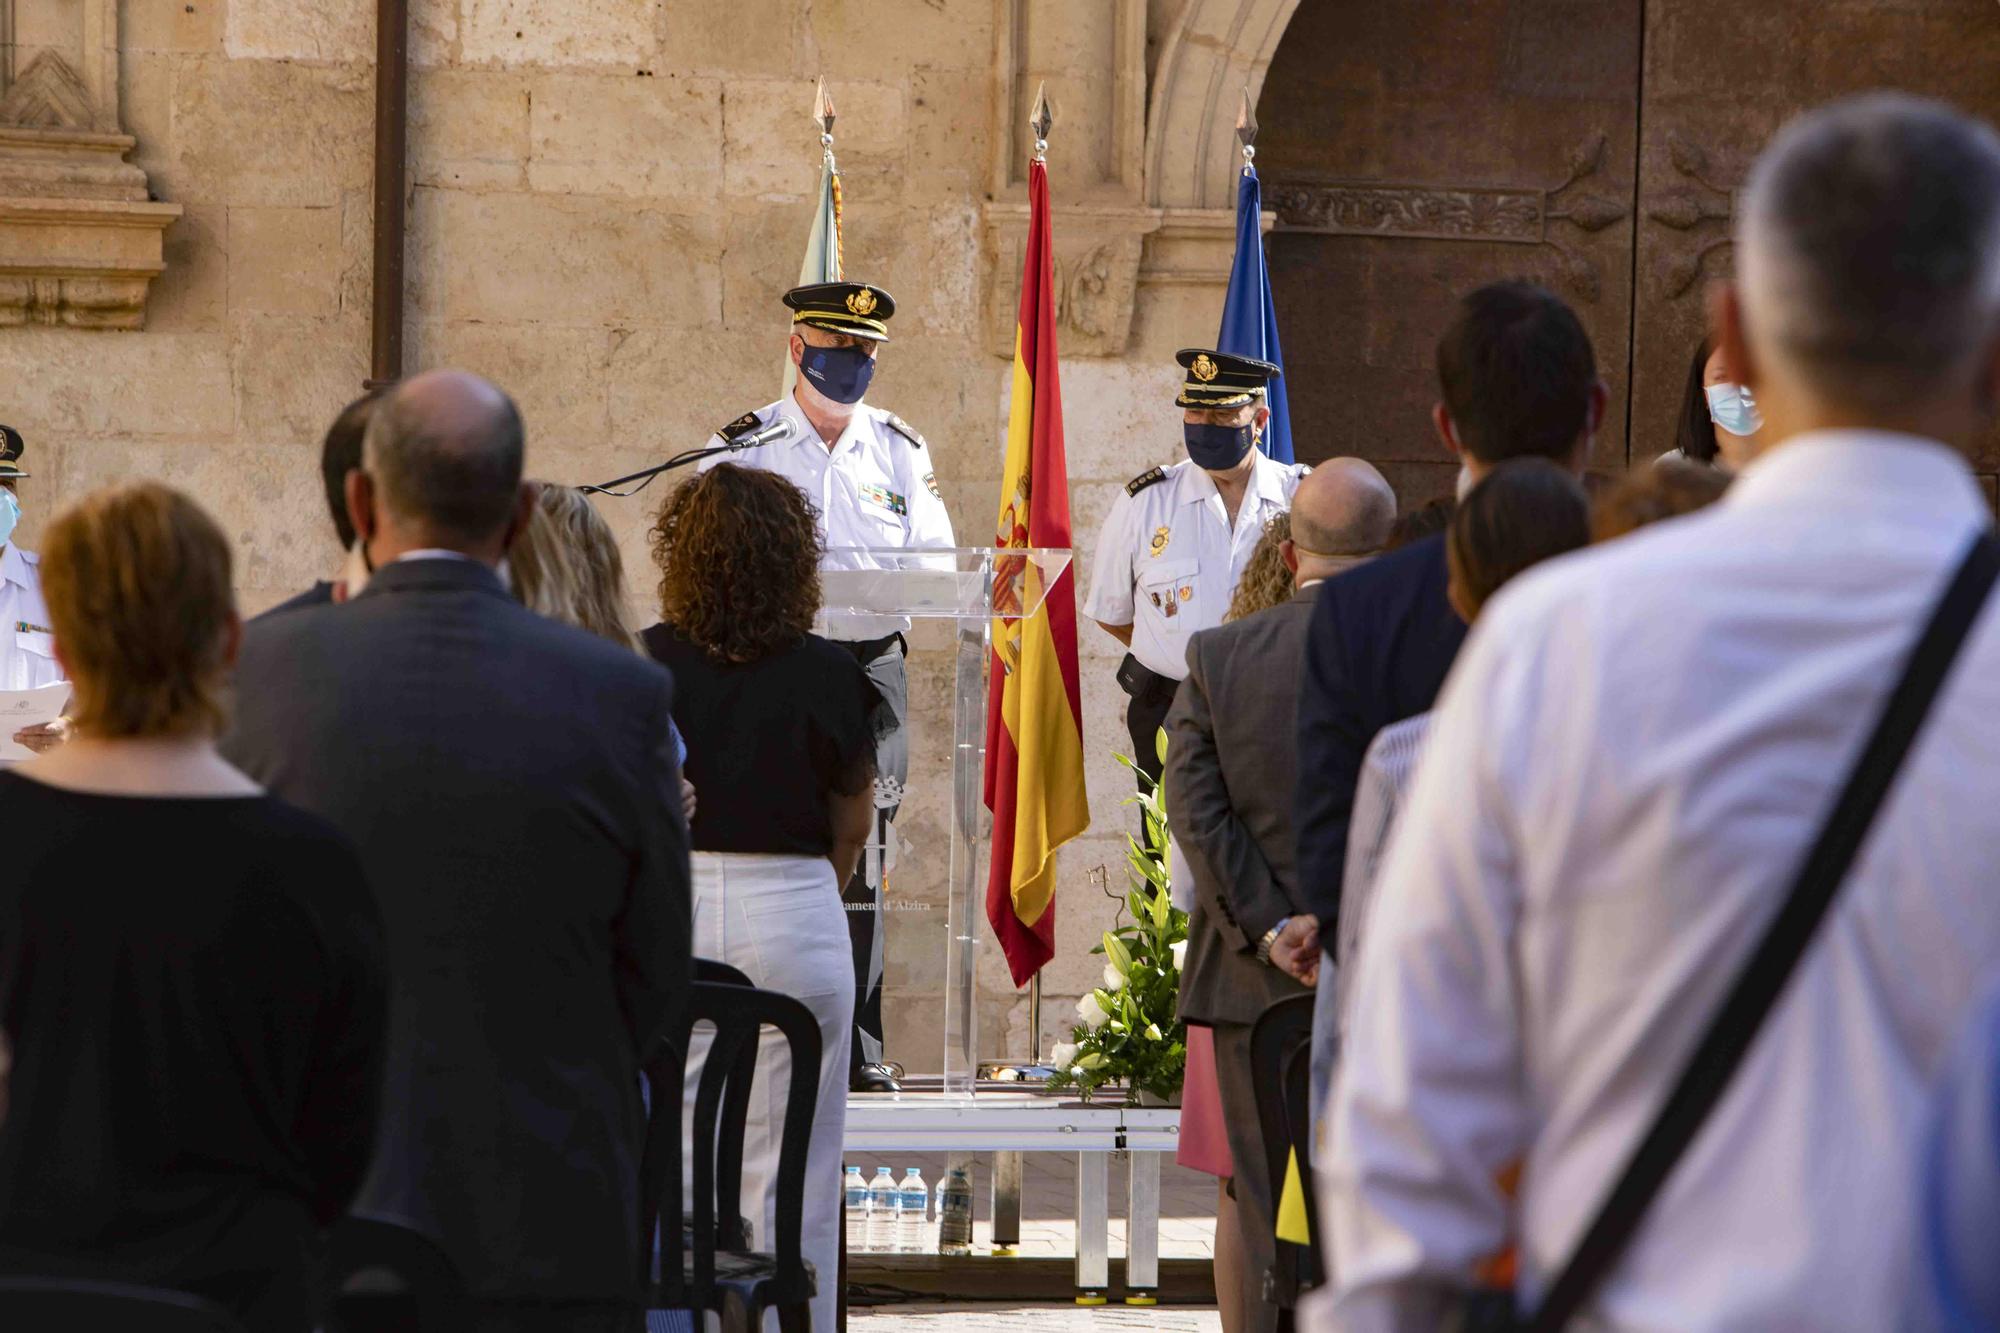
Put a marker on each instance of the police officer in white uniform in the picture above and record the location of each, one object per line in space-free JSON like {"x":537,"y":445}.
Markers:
{"x":870,"y":476}
{"x":1177,"y":541}
{"x":27,"y":646}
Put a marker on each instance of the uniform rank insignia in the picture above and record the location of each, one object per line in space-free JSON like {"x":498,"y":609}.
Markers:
{"x":905,"y":429}
{"x":887,"y":498}
{"x":1187,"y":592}
{"x":1159,"y":539}
{"x":23,"y":627}
{"x":1145,"y":479}
{"x":740,"y":427}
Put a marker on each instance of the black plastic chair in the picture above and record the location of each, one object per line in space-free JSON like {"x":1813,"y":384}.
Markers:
{"x":705,"y":1262}
{"x":1299,"y":1113}
{"x":1282,"y":1032}
{"x":61,"y":1305}
{"x":387,"y":1278}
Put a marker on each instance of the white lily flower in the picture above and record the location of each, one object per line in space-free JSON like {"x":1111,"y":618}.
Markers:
{"x":1179,"y":950}
{"x":1152,"y":1032}
{"x":1064,"y":1055}
{"x":1114,"y":980}
{"x":1090,"y":1013}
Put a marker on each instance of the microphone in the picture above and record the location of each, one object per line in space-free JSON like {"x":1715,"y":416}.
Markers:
{"x":780,"y":429}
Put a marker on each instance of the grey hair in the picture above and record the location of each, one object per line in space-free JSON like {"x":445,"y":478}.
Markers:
{"x":1868,"y":244}
{"x":457,"y":474}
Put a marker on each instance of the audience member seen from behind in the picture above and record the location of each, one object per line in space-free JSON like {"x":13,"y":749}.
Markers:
{"x":511,"y":786}
{"x":197,"y":1053}
{"x":1592,"y":848}
{"x":1521,"y":513}
{"x":781,"y":727}
{"x":1670,"y":488}
{"x":1426,"y":520}
{"x":340,"y":454}
{"x":1719,"y":424}
{"x":1517,"y":378}
{"x":1229,"y":778}
{"x":566,"y":566}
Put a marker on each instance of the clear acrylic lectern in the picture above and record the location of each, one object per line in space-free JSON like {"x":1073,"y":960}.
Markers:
{"x":973,"y":587}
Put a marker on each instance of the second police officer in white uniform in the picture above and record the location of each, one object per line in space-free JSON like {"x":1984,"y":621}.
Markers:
{"x":870,"y":476}
{"x":1177,"y":540}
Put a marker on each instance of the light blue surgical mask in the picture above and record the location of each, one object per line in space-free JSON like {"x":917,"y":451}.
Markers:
{"x":1732,"y":408}
{"x":10,"y":514}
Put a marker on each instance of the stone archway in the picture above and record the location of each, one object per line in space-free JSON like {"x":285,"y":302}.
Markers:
{"x":1214,"y":49}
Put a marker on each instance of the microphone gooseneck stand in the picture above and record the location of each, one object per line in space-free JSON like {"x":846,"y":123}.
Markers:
{"x":645,"y":476}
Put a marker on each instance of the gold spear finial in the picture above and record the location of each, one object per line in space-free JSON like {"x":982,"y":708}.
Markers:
{"x":823,"y":114}
{"x":1246,"y":128}
{"x":1041,"y":119}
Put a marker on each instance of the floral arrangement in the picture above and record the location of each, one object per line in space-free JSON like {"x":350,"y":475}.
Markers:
{"x":1129,"y":1029}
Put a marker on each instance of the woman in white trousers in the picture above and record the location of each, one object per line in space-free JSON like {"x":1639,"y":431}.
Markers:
{"x":780,"y":729}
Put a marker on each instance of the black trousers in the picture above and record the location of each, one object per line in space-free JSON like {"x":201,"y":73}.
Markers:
{"x":1145,"y":713}
{"x":862,"y":897}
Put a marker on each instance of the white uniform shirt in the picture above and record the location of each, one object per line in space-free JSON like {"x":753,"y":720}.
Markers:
{"x":1168,"y":561}
{"x":875,"y":487}
{"x":1634,"y":751}
{"x":27,"y":647}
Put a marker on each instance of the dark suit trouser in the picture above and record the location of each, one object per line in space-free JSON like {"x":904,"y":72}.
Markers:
{"x":862,"y":897}
{"x":1256,"y":1210}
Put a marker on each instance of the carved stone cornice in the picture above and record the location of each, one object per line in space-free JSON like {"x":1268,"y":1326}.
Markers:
{"x":1098,"y":252}
{"x":81,"y":238}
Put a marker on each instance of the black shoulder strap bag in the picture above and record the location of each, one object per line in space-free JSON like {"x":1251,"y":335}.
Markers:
{"x":1756,"y":990}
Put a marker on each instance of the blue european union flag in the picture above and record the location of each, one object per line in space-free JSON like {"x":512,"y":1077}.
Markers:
{"x":1249,"y":322}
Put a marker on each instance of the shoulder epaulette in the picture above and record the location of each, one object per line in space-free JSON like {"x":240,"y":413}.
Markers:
{"x":1145,"y":479}
{"x":740,"y":427}
{"x":905,"y":429}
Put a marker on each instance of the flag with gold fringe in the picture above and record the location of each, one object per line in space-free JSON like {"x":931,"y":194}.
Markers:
{"x":1034,"y":732}
{"x":822,"y":261}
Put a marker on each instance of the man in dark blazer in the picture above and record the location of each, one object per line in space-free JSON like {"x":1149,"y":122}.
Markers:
{"x":1517,"y":378}
{"x":511,"y":787}
{"x":1229,"y":779}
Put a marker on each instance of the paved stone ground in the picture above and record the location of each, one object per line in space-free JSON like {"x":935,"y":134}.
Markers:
{"x":1033,"y":1319}
{"x":1048,"y":1203}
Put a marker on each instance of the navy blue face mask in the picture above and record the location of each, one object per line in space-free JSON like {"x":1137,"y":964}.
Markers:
{"x":841,"y":373}
{"x":1218,"y":448}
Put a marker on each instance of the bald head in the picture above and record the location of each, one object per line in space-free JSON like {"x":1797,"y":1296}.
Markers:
{"x":443,"y":456}
{"x":1343,"y":509}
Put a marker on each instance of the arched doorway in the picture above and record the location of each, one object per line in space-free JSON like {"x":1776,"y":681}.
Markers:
{"x":1413,"y":149}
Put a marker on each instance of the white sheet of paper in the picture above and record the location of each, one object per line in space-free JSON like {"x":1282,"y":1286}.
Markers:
{"x":28,"y":708}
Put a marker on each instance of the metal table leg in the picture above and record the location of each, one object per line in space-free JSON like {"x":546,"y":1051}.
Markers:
{"x":1142,"y":1231}
{"x":1093,"y":1227}
{"x":1006,"y":1202}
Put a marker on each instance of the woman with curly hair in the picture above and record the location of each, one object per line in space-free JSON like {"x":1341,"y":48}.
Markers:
{"x":780,"y":727}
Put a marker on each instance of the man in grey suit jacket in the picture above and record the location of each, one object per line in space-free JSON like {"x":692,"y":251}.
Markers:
{"x":1230,"y":769}
{"x":511,"y":786}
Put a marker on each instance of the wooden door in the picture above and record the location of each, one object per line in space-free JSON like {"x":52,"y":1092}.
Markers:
{"x":1414,"y":149}
{"x":1720,"y":77}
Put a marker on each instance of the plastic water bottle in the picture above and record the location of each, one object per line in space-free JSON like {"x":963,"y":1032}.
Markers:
{"x":856,"y":1193}
{"x":882,"y":1202}
{"x":954,"y":1212}
{"x":913,"y":1212}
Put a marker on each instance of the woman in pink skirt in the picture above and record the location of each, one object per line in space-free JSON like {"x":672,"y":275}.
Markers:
{"x":1205,"y":1147}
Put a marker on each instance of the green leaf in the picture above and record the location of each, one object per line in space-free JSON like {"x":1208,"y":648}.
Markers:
{"x":1115,"y":950}
{"x":1160,"y":746}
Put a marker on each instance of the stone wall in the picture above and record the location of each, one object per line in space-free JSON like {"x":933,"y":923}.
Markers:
{"x":605,"y":201}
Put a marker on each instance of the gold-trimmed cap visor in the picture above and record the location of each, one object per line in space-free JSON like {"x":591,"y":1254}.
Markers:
{"x":857,"y":308}
{"x":12,"y":446}
{"x":1214,"y":379}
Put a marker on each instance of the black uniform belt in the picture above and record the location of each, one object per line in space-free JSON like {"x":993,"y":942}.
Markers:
{"x":1145,"y":684}
{"x":867,"y":650}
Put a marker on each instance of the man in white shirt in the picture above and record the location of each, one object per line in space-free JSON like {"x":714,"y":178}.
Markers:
{"x":1635,"y":748}
{"x":1176,"y":542}
{"x":869,"y":473}
{"x":27,"y":645}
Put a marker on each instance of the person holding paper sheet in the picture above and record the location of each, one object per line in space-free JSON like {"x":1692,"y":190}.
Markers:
{"x":27,"y":647}
{"x":868,"y":473}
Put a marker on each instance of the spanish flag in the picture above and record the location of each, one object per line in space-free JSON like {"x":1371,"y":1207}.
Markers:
{"x":1034,"y":732}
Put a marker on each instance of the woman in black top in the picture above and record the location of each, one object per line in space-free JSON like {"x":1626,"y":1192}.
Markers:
{"x":191,"y":972}
{"x":780,"y":727}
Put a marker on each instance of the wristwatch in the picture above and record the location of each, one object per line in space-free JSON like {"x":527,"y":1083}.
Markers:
{"x":1271,"y":938}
